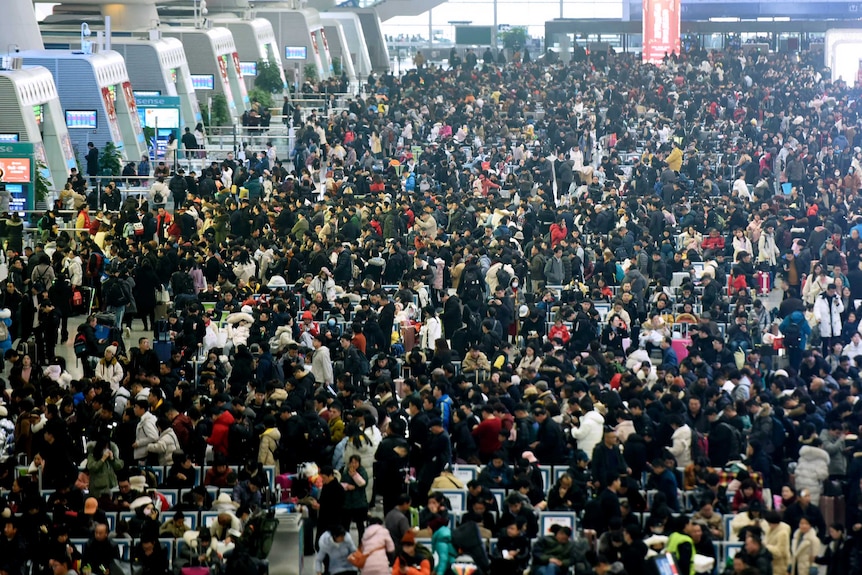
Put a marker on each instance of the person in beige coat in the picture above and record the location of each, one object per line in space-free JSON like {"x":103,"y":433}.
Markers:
{"x":269,"y":440}
{"x":778,"y":542}
{"x":804,"y":548}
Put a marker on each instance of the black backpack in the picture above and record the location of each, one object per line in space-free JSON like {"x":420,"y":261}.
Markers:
{"x":503,"y":277}
{"x":792,"y":335}
{"x":115,"y":295}
{"x":474,"y":323}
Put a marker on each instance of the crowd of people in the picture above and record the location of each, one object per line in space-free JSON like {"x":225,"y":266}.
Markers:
{"x":647,"y":276}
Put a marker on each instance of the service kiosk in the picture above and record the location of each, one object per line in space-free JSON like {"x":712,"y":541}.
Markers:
{"x":18,"y":174}
{"x":255,"y":40}
{"x":33,"y":115}
{"x":156,"y":65}
{"x":98,"y":99}
{"x":299,"y":29}
{"x":214,"y":65}
{"x":163,"y":115}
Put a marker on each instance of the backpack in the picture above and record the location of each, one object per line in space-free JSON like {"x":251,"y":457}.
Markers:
{"x":364,"y":364}
{"x":779,"y":433}
{"x":735,"y":447}
{"x":158,"y":198}
{"x":115,"y":295}
{"x":503,"y":277}
{"x":96,"y":264}
{"x":699,"y":444}
{"x":792,"y":335}
{"x":474,"y":323}
{"x":259,"y":532}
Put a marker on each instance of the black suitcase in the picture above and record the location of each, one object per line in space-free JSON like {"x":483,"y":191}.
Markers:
{"x":163,"y":330}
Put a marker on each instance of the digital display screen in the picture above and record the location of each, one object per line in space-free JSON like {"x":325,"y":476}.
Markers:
{"x":15,"y":170}
{"x":203,"y":81}
{"x":248,"y":68}
{"x":7,"y":138}
{"x":18,"y":203}
{"x":295,"y":52}
{"x":37,"y":111}
{"x":85,"y":119}
{"x":147,"y":93}
{"x":161,"y":118}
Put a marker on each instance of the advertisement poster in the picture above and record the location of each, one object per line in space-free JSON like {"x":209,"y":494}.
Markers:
{"x":225,"y":82}
{"x":69,"y":152}
{"x":15,"y":170}
{"x":661,"y":29}
{"x":243,"y":92}
{"x":133,"y":107}
{"x":325,"y":43}
{"x":314,"y":43}
{"x":111,"y":111}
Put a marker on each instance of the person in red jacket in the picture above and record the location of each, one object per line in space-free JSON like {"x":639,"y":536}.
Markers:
{"x":560,"y":330}
{"x":219,"y":437}
{"x":558,"y":232}
{"x":487,"y":434}
{"x":715,"y":241}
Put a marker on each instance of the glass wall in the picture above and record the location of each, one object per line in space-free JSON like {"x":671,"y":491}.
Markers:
{"x":530,"y":13}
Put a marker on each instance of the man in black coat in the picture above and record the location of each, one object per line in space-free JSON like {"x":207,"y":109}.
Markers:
{"x":92,"y":159}
{"x":330,"y":502}
{"x":550,"y":444}
{"x":178,"y":187}
{"x":436,"y":457}
{"x":452,"y":314}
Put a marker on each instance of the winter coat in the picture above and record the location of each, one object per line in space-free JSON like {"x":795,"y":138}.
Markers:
{"x":111,"y":373}
{"x":165,"y":446}
{"x":828,"y":313}
{"x":219,"y":437}
{"x":145,"y":434}
{"x":681,"y":446}
{"x":812,"y":468}
{"x":803,"y":549}
{"x":376,"y":543}
{"x":337,"y":553}
{"x":441,"y":545}
{"x":767,"y":250}
{"x":268,"y":445}
{"x":834,"y":446}
{"x":103,"y":474}
{"x":778,"y":543}
{"x":321,"y":365}
{"x":365,"y":451}
{"x":590,"y":431}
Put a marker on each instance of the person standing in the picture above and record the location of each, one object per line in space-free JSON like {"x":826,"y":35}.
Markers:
{"x":190,"y":143}
{"x":828,"y":309}
{"x":330,"y":503}
{"x":92,"y":159}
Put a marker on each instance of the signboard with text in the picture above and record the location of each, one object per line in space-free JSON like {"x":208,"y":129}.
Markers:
{"x":661,"y":29}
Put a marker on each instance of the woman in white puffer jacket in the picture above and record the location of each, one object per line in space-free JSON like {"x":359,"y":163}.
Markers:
{"x":589,"y":432}
{"x":812,"y":468}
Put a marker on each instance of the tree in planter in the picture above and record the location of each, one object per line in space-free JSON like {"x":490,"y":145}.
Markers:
{"x":219,"y":115}
{"x":514,"y":38}
{"x":110,"y":160}
{"x":261,"y":96}
{"x":41,"y":184}
{"x":268,"y":78}
{"x":150,"y":137}
{"x":310,"y":72}
{"x":336,"y":66}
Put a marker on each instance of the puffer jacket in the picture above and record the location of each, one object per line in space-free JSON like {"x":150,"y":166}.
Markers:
{"x":804,"y":548}
{"x":146,"y":433}
{"x":365,"y":451}
{"x":778,"y":543}
{"x":812,"y":468}
{"x":834,"y":446}
{"x":219,"y":437}
{"x":828,"y":314}
{"x":590,"y":432}
{"x":376,"y":543}
{"x":165,"y":446}
{"x":268,"y":444}
{"x":681,"y":446}
{"x":103,"y":474}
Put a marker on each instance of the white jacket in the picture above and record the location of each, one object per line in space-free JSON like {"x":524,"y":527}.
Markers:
{"x":828,"y":314}
{"x":812,"y":468}
{"x":430,"y":333}
{"x":590,"y":432}
{"x":146,"y":433}
{"x":681,"y":446}
{"x":111,"y":373}
{"x":165,"y":446}
{"x":767,"y":249}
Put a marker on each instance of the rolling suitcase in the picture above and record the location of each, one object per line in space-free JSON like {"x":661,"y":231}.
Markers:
{"x":764,"y":283}
{"x":163,"y":350}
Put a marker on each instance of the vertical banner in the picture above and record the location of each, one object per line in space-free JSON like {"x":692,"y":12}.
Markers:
{"x":661,"y":21}
{"x":111,"y":112}
{"x":225,"y":83}
{"x":243,"y":91}
{"x":133,"y":108}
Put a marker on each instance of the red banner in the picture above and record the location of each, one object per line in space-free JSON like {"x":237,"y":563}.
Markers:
{"x":661,"y":29}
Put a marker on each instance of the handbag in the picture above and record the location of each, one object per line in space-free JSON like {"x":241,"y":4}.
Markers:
{"x":138,"y":229}
{"x":162,"y":296}
{"x":358,"y":558}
